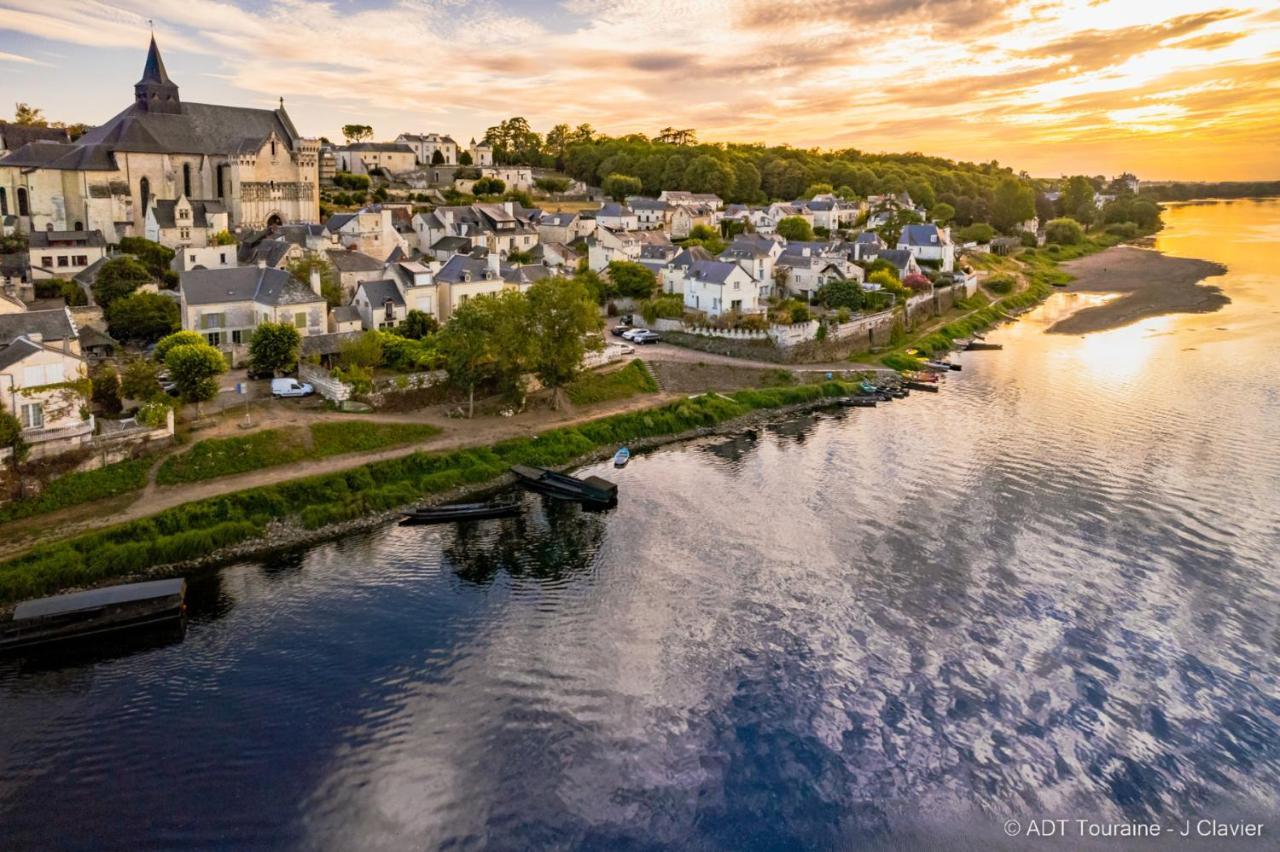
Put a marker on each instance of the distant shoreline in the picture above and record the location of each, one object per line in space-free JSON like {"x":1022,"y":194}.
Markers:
{"x":1151,"y":284}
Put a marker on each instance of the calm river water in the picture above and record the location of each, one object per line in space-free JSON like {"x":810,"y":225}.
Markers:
{"x":1050,"y":590}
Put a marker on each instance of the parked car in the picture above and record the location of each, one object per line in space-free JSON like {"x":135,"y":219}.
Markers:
{"x":290,"y":387}
{"x":625,"y":348}
{"x":167,"y":384}
{"x":643,"y":335}
{"x":626,"y":335}
{"x":621,"y":330}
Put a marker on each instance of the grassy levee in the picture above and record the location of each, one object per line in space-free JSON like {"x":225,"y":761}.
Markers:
{"x":197,"y":529}
{"x":84,"y":487}
{"x":590,"y":388}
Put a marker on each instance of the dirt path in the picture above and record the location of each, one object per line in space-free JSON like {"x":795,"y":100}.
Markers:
{"x":23,"y":535}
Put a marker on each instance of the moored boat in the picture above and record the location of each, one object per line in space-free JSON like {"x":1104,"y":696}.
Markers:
{"x":460,"y":512}
{"x":95,"y":612}
{"x":979,"y":347}
{"x":621,"y":457}
{"x":920,"y":386}
{"x":592,"y":489}
{"x":859,"y":401}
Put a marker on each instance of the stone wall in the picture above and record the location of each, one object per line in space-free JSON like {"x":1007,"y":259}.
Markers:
{"x":326,"y":385}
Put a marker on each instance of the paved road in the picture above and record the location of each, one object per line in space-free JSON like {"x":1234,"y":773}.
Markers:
{"x":678,"y":354}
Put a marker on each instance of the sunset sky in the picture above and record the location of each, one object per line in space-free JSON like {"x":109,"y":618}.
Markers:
{"x":1182,"y":89}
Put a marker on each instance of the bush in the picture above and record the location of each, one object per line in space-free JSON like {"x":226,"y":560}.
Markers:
{"x":106,"y":389}
{"x":1000,"y":284}
{"x":1124,"y":230}
{"x":1064,"y":231}
{"x":978,"y":232}
{"x":1028,"y":239}
{"x":143,"y":318}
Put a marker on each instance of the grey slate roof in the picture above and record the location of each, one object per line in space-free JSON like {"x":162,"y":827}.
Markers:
{"x":328,"y":344}
{"x":614,"y":210}
{"x":270,"y":251}
{"x":921,"y":235}
{"x":352,"y":261}
{"x":713,"y":271}
{"x":454,"y":268}
{"x":241,"y":284}
{"x":690,"y":256}
{"x":45,"y":239}
{"x":346,"y":313}
{"x":11,"y":352}
{"x":53,"y":324}
{"x":380,"y":291}
{"x":869,"y":238}
{"x":389,"y":147}
{"x":636,"y":202}
{"x":900,"y":258}
{"x":453,"y":244}
{"x":166,"y":217}
{"x":559,"y":219}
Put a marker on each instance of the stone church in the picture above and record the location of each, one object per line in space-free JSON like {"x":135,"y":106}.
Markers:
{"x":160,"y":147}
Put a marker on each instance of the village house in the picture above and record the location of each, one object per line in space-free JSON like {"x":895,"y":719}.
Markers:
{"x":495,"y":227}
{"x":651,"y":213}
{"x":778,"y":211}
{"x":363,"y":158}
{"x":252,"y":160}
{"x":757,"y":254}
{"x":64,"y":254}
{"x":930,"y":245}
{"x":208,"y":257}
{"x":606,"y":246}
{"x":903,"y":261}
{"x":556,"y":255}
{"x":463,"y":278}
{"x":716,"y":287}
{"x":617,"y":217}
{"x":431,"y":149}
{"x":563,"y":227}
{"x":676,"y":270}
{"x":481,"y":153}
{"x":226,"y":305}
{"x":34,"y":377}
{"x":681,"y":198}
{"x":685,"y":217}
{"x":345,"y":319}
{"x":352,"y":269}
{"x":417,"y":285}
{"x":804,"y":267}
{"x":379,"y":304}
{"x":515,"y":177}
{"x":655,"y":257}
{"x":275,"y":251}
{"x":867,"y":245}
{"x":370,"y":230}
{"x":182,"y":223}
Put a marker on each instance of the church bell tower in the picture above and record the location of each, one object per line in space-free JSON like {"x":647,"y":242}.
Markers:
{"x":155,"y":92}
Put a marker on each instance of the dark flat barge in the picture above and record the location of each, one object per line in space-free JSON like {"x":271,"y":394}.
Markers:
{"x":460,"y":512}
{"x":93,"y":613}
{"x":591,"y":491}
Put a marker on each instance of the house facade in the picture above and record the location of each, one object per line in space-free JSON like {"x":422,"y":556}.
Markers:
{"x":362,"y":158}
{"x":929,"y":245}
{"x":252,"y":160}
{"x":64,"y":254}
{"x":34,"y":377}
{"x":226,"y":305}
{"x":426,"y":145}
{"x":181,"y":223}
{"x":716,"y":287}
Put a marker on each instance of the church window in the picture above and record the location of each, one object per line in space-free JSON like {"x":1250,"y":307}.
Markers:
{"x":24,"y":206}
{"x":220,"y":177}
{"x":186,"y":179}
{"x":4,"y":202}
{"x":273,"y":147}
{"x":144,"y":192}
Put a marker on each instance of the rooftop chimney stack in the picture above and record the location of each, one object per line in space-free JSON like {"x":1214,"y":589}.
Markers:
{"x":315,"y":281}
{"x":495,"y":264}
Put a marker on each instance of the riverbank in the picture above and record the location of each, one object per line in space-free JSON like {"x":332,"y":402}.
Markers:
{"x":1149,"y":282}
{"x":255,"y":521}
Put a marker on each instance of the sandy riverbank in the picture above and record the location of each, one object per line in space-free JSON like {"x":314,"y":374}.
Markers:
{"x":1150,"y":284}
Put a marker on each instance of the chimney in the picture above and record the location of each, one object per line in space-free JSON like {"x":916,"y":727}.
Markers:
{"x":262,"y":264}
{"x":35,"y":337}
{"x":315,"y":281}
{"x":510,"y":207}
{"x":495,"y":265}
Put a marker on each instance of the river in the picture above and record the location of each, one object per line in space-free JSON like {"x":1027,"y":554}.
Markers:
{"x":1048,"y":591}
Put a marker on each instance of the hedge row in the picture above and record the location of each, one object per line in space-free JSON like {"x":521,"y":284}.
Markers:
{"x":197,"y":528}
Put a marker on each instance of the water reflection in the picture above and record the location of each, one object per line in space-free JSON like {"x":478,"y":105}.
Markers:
{"x":553,"y":540}
{"x":1049,"y":590}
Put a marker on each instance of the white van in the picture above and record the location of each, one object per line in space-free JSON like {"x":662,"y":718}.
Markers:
{"x":290,"y":387}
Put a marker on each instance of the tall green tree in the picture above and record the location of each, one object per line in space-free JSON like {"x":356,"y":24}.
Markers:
{"x":143,"y":318}
{"x":105,"y":382}
{"x":632,"y":279}
{"x":619,"y":186}
{"x":194,"y":368}
{"x":117,"y":278}
{"x":795,"y":229}
{"x":356,"y":132}
{"x":330,"y":286}
{"x":274,"y":347}
{"x":466,"y":349}
{"x":178,"y":338}
{"x":138,"y":380}
{"x":1013,"y":203}
{"x":1077,"y":199}
{"x":11,"y":437}
{"x":563,"y":323}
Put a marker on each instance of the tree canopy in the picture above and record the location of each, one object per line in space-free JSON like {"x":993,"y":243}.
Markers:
{"x":794,"y":228}
{"x":117,"y":278}
{"x":356,"y":132}
{"x":274,"y":347}
{"x":193,"y":368}
{"x":143,"y":318}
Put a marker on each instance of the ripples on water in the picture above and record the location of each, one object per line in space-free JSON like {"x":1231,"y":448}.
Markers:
{"x":1049,"y":590}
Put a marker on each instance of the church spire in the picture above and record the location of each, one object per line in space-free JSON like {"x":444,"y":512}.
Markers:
{"x":155,"y":92}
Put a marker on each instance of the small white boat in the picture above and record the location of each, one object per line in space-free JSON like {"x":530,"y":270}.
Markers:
{"x":621,"y":457}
